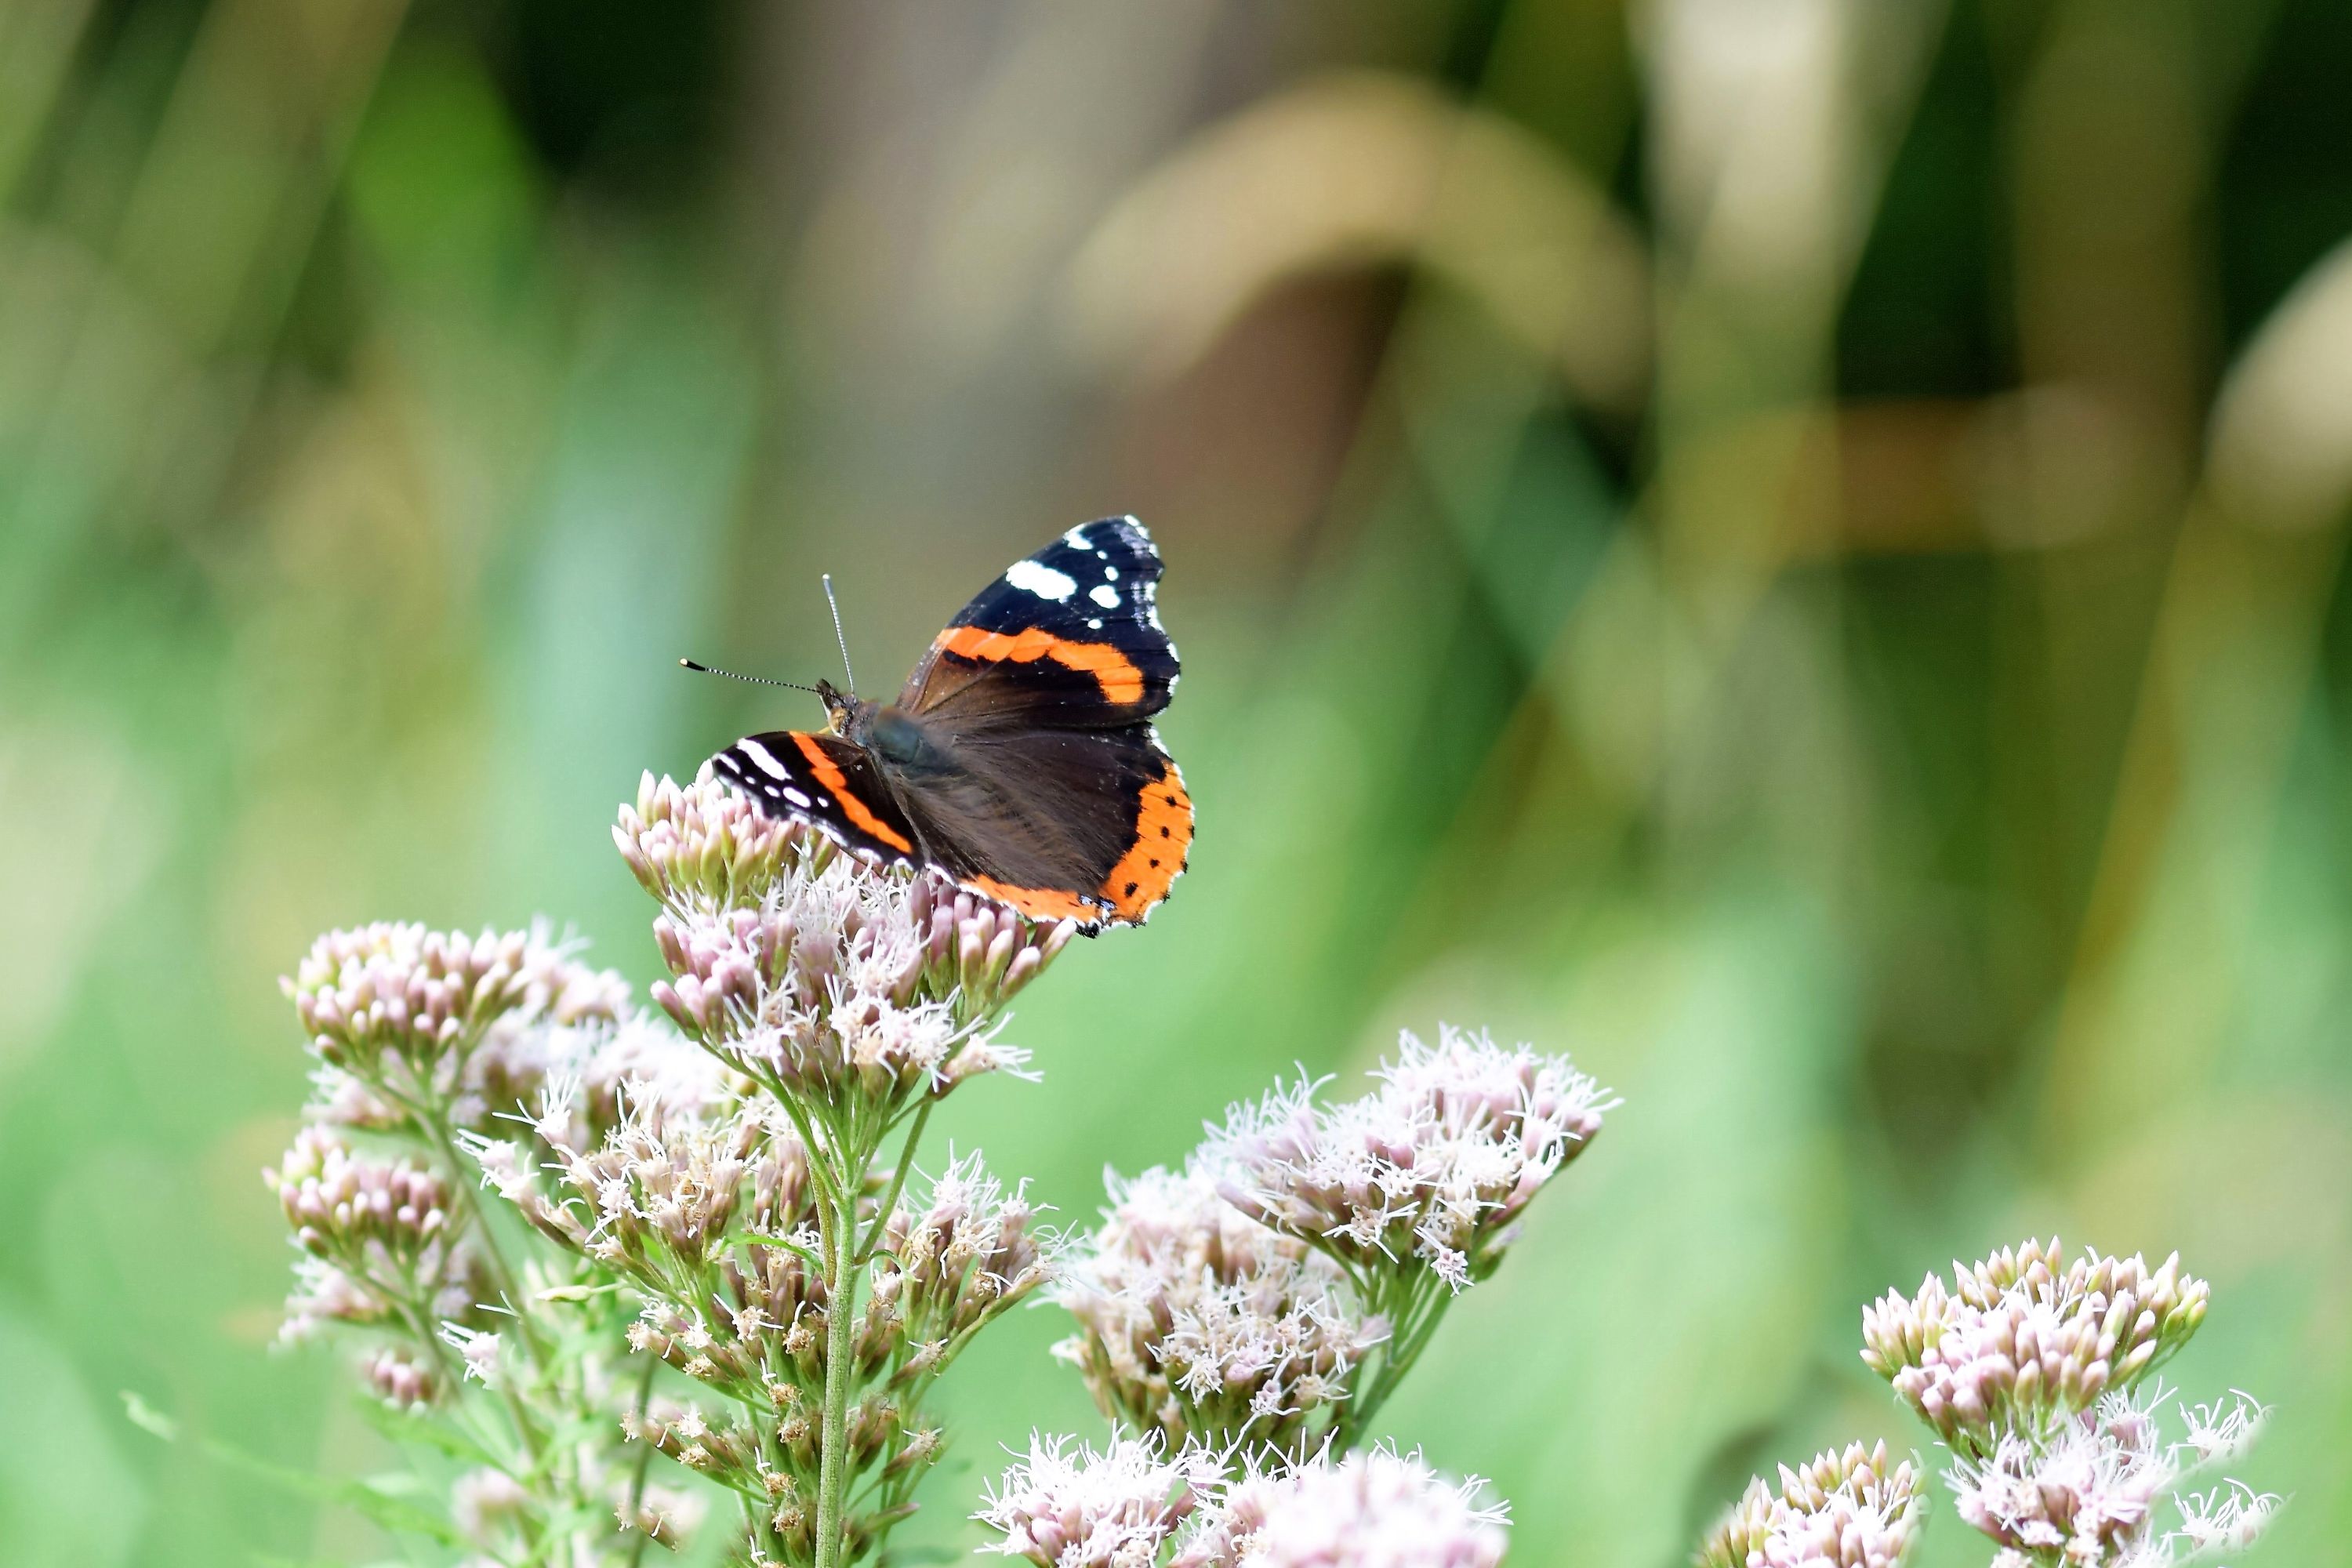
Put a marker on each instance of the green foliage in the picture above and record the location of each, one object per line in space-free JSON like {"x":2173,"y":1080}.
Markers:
{"x":1850,"y":640}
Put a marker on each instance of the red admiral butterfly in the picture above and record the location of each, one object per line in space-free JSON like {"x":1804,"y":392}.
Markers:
{"x":1019,"y":758}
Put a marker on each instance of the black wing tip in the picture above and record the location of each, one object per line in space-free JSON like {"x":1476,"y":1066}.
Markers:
{"x":1125,"y":523}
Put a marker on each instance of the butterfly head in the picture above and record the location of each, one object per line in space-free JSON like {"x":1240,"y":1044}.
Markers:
{"x":840,"y":707}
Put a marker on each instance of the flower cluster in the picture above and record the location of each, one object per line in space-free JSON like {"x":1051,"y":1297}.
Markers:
{"x":1067,"y":1505}
{"x":2037,"y":1374}
{"x":948,"y":1264}
{"x":1848,"y":1509}
{"x":826,"y":980}
{"x":1374,"y":1508}
{"x":712,"y":1215}
{"x":2091,"y":1493}
{"x":402,"y":1002}
{"x":702,"y":849}
{"x":1196,"y":1321}
{"x":425,"y":1040}
{"x":1437,"y":1165}
{"x":2023,"y":1340}
{"x":1135,"y":1505}
{"x":379,"y":1242}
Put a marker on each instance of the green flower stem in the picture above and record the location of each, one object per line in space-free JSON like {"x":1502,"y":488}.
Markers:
{"x":898,"y":1184}
{"x":1416,"y":1311}
{"x":840,"y":1225}
{"x":428,"y":1111}
{"x":645,"y":1461}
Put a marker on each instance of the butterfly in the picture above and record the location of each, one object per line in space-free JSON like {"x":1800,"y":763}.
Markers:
{"x":1019,"y":758}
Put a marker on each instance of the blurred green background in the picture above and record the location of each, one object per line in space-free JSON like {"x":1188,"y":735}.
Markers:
{"x":1789,"y":547}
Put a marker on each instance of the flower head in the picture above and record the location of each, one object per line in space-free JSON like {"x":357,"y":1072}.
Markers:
{"x":1848,"y":1509}
{"x":2087,"y":1492}
{"x":665,"y":1183}
{"x":1437,"y":1165}
{"x":479,"y":1350}
{"x":399,"y":1378}
{"x":817,"y":973}
{"x":345,"y":1204}
{"x":375,"y":1230}
{"x":964,"y":1250}
{"x":1067,"y":1506}
{"x":1374,"y":1508}
{"x":1196,"y":1321}
{"x":389,"y":994}
{"x":701,"y":848}
{"x":2023,"y":1340}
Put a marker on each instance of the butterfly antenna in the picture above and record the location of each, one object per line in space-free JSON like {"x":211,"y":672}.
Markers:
{"x":754,"y":680}
{"x":837,"y":636}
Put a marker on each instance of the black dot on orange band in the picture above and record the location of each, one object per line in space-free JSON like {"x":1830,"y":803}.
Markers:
{"x":1130,"y":889}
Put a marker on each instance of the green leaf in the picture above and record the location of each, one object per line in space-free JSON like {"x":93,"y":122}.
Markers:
{"x":424,"y":1431}
{"x":759,"y":1239}
{"x":146,"y":1418}
{"x":391,"y":1512}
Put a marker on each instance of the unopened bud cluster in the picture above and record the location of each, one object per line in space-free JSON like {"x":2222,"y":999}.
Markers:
{"x":383,"y":1246}
{"x":1437,"y":1165}
{"x":1195,"y":1321}
{"x":1844,"y":1509}
{"x":389,"y":996}
{"x":2024,"y":1340}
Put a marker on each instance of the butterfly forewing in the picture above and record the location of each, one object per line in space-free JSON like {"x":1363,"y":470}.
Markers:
{"x":1068,"y":637}
{"x":821,"y":780}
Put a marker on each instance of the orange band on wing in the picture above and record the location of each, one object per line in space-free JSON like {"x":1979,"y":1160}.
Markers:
{"x":829,"y":774}
{"x":1038,"y":903}
{"x":1163,"y":834}
{"x":1121,"y":681}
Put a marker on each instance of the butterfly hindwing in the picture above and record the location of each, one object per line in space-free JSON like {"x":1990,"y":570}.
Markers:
{"x":823,"y":780}
{"x":1068,"y":637}
{"x":1086,"y":824}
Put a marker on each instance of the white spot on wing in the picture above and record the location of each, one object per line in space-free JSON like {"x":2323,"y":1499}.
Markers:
{"x":796,"y":797}
{"x":1036,"y":577}
{"x":1076,"y":538}
{"x":1094,"y":626}
{"x":763,"y":757}
{"x":1111,"y":573}
{"x":1105,"y":595}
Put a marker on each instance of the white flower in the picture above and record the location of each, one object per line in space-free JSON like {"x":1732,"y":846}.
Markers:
{"x":2022,"y":1339}
{"x":1064,"y":1505}
{"x":1438,"y":1164}
{"x":808,"y":968}
{"x":2226,"y":1518}
{"x":1375,"y":1509}
{"x":479,"y":1350}
{"x":2223,"y":1436}
{"x":482,"y":1500}
{"x":2089,"y":1488}
{"x":1841,"y":1510}
{"x":1197,"y":1320}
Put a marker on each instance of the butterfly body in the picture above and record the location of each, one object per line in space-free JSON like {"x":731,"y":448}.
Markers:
{"x":1019,"y":758}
